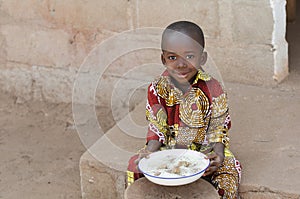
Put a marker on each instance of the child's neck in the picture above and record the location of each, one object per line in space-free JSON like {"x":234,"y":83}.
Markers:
{"x":183,"y":87}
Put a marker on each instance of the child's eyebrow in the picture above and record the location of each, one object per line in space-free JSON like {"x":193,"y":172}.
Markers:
{"x":176,"y":53}
{"x":186,"y":52}
{"x":190,"y":51}
{"x":169,"y":52}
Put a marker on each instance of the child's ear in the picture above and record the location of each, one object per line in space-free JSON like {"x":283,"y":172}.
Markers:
{"x":163,"y":60}
{"x":203,"y":58}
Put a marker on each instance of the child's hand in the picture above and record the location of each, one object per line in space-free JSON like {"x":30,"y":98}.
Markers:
{"x":215,"y":162}
{"x":153,"y":145}
{"x":143,"y":153}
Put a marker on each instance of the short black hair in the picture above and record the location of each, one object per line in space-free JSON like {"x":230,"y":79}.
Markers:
{"x":187,"y":28}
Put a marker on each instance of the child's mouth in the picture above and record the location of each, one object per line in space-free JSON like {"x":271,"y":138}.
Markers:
{"x":181,"y":74}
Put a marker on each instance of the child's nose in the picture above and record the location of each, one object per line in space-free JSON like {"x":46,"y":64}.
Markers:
{"x":182,"y":62}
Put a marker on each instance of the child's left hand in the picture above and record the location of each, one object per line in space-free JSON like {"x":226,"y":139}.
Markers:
{"x":215,"y":162}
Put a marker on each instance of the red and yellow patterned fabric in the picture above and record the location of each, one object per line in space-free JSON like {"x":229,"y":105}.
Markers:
{"x":197,"y":119}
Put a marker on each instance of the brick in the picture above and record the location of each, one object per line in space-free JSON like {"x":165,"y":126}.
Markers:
{"x":3,"y":53}
{"x":22,"y":10}
{"x":53,"y":85}
{"x":252,"y":22}
{"x":83,"y":15}
{"x":17,"y":80}
{"x":34,"y":46}
{"x":204,"y":13}
{"x":236,"y":64}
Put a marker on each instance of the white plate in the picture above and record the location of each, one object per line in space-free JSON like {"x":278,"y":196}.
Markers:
{"x":159,"y":167}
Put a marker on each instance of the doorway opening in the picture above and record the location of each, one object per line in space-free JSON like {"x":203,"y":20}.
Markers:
{"x":293,"y":36}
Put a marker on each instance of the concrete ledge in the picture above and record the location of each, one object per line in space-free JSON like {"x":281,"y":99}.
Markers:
{"x":98,"y":180}
{"x":144,"y":189}
{"x":103,"y":166}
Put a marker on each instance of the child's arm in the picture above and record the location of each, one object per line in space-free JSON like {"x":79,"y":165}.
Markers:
{"x":216,"y":158}
{"x":153,"y":145}
{"x":220,"y":123}
{"x":157,"y":127}
{"x":157,"y":117}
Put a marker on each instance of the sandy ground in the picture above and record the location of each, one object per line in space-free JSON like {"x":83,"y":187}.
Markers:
{"x":39,"y":149}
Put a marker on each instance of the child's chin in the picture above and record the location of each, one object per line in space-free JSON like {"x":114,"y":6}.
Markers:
{"x":182,"y":80}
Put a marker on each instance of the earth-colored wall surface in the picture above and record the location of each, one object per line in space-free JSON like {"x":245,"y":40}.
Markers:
{"x":44,"y":43}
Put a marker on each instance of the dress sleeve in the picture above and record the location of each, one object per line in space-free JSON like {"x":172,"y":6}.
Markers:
{"x":220,"y":121}
{"x":156,"y":115}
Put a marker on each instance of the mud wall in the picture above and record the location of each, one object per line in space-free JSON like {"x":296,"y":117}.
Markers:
{"x":44,"y":42}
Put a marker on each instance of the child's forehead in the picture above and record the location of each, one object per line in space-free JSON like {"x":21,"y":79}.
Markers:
{"x":174,"y":41}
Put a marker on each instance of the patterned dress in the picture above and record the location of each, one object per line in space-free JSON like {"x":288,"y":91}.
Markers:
{"x":197,"y":119}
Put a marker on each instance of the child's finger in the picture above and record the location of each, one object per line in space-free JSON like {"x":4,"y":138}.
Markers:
{"x":142,"y":155}
{"x":207,"y":172}
{"x":211,"y":156}
{"x":145,"y":154}
{"x":137,"y":169}
{"x":137,"y":161}
{"x":210,"y":170}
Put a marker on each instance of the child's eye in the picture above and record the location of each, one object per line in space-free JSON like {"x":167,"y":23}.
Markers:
{"x":190,"y":56}
{"x":172,"y":57}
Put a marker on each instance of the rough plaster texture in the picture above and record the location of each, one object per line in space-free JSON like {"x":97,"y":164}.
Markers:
{"x":43,"y":43}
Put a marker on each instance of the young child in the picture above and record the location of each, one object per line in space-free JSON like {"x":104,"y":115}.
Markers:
{"x":187,"y":108}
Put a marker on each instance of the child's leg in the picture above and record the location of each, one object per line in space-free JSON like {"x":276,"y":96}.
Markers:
{"x":132,"y":171}
{"x":227,"y":186}
{"x":227,"y":178}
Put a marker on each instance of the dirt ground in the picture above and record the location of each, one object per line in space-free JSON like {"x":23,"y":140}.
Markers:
{"x":40,"y":151}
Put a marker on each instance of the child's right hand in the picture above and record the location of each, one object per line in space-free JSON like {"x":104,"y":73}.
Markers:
{"x":152,"y":146}
{"x":143,"y":153}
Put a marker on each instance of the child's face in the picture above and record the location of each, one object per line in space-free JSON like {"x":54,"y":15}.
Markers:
{"x":182,"y":57}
